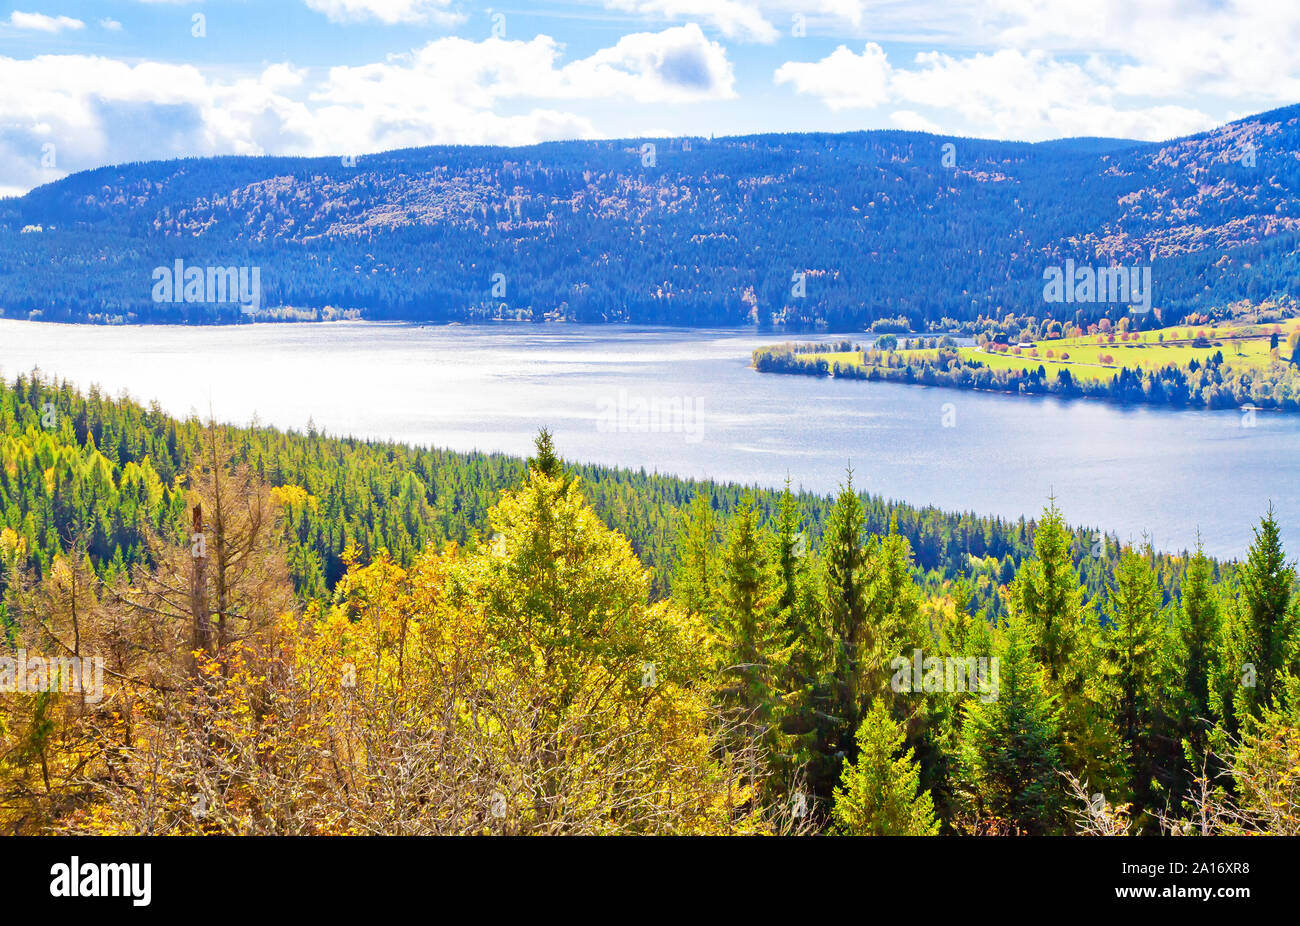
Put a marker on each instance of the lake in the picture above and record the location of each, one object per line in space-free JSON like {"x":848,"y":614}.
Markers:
{"x":687,"y":403}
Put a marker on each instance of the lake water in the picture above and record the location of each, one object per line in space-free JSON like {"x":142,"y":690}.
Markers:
{"x":1131,"y":471}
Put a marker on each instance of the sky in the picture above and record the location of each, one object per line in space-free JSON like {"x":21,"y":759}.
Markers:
{"x":84,"y":84}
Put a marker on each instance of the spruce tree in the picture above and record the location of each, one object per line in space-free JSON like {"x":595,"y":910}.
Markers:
{"x":789,"y":550}
{"x":546,"y":461}
{"x":893,"y":610}
{"x":880,"y":793}
{"x":1047,"y":601}
{"x":1048,"y":596}
{"x":1261,"y":630}
{"x":1133,"y":653}
{"x":753,"y":643}
{"x":798,"y":615}
{"x":1009,"y":757}
{"x":844,"y":580}
{"x":695,"y":566}
{"x":1198,"y":625}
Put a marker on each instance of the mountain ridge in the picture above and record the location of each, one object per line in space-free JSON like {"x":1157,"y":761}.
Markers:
{"x":687,"y":231}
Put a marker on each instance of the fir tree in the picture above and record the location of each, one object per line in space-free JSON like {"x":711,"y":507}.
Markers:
{"x":695,"y":567}
{"x":1133,"y":654}
{"x":880,"y":792}
{"x":845,"y":585}
{"x":752,"y":639}
{"x":1261,"y":630}
{"x":789,"y":550}
{"x":893,"y":610}
{"x":1048,"y":596}
{"x":1009,"y":756}
{"x":546,"y":461}
{"x":1047,"y":601}
{"x":1198,"y":625}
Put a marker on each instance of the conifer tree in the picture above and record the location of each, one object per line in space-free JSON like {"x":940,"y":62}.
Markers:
{"x":789,"y":551}
{"x":893,"y":610}
{"x":1009,"y":758}
{"x":844,"y":579}
{"x":798,"y":615}
{"x":753,"y":645}
{"x":1260,"y":631}
{"x":1132,"y":647}
{"x":1198,"y":626}
{"x":1048,"y":596}
{"x":1047,"y":600}
{"x":695,"y":566}
{"x":880,"y":792}
{"x":546,"y":462}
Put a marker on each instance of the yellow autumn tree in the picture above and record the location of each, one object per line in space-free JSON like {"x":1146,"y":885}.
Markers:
{"x":528,"y":686}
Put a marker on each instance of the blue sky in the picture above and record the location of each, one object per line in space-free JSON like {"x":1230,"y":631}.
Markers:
{"x":85,"y":84}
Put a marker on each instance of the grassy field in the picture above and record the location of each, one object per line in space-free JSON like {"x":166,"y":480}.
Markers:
{"x":1086,"y":359}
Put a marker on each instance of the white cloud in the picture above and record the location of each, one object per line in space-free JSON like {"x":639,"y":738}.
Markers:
{"x":751,"y":20}
{"x":95,"y":110}
{"x":842,"y":79}
{"x":390,"y":12}
{"x":112,"y":25}
{"x":39,"y":22}
{"x":1224,"y":48}
{"x":677,"y":65}
{"x":910,"y":121}
{"x":850,"y":11}
{"x":1006,"y":94}
{"x":735,"y":19}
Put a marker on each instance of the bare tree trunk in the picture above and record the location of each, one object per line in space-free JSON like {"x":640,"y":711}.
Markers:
{"x":198,"y":585}
{"x":220,"y":540}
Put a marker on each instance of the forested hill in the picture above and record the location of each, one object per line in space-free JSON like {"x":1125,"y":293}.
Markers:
{"x":676,"y":231}
{"x":113,"y":472}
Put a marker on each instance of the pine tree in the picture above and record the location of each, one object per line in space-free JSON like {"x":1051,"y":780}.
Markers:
{"x":696,"y":555}
{"x":546,"y":461}
{"x":880,"y":792}
{"x":798,"y":614}
{"x":1047,"y":601}
{"x":1132,"y":649}
{"x":753,"y":646}
{"x":1261,"y":630}
{"x":1009,"y":757}
{"x":845,"y":585}
{"x":1049,"y":598}
{"x":893,"y":610}
{"x":789,"y":550}
{"x":1198,"y":625}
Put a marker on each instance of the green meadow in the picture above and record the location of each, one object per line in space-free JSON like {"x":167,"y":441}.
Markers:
{"x":1099,"y":357}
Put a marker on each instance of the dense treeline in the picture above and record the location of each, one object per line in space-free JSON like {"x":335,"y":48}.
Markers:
{"x":111,"y":471}
{"x":906,"y":715}
{"x":1209,"y":385}
{"x":849,"y":231}
{"x":530,"y":683}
